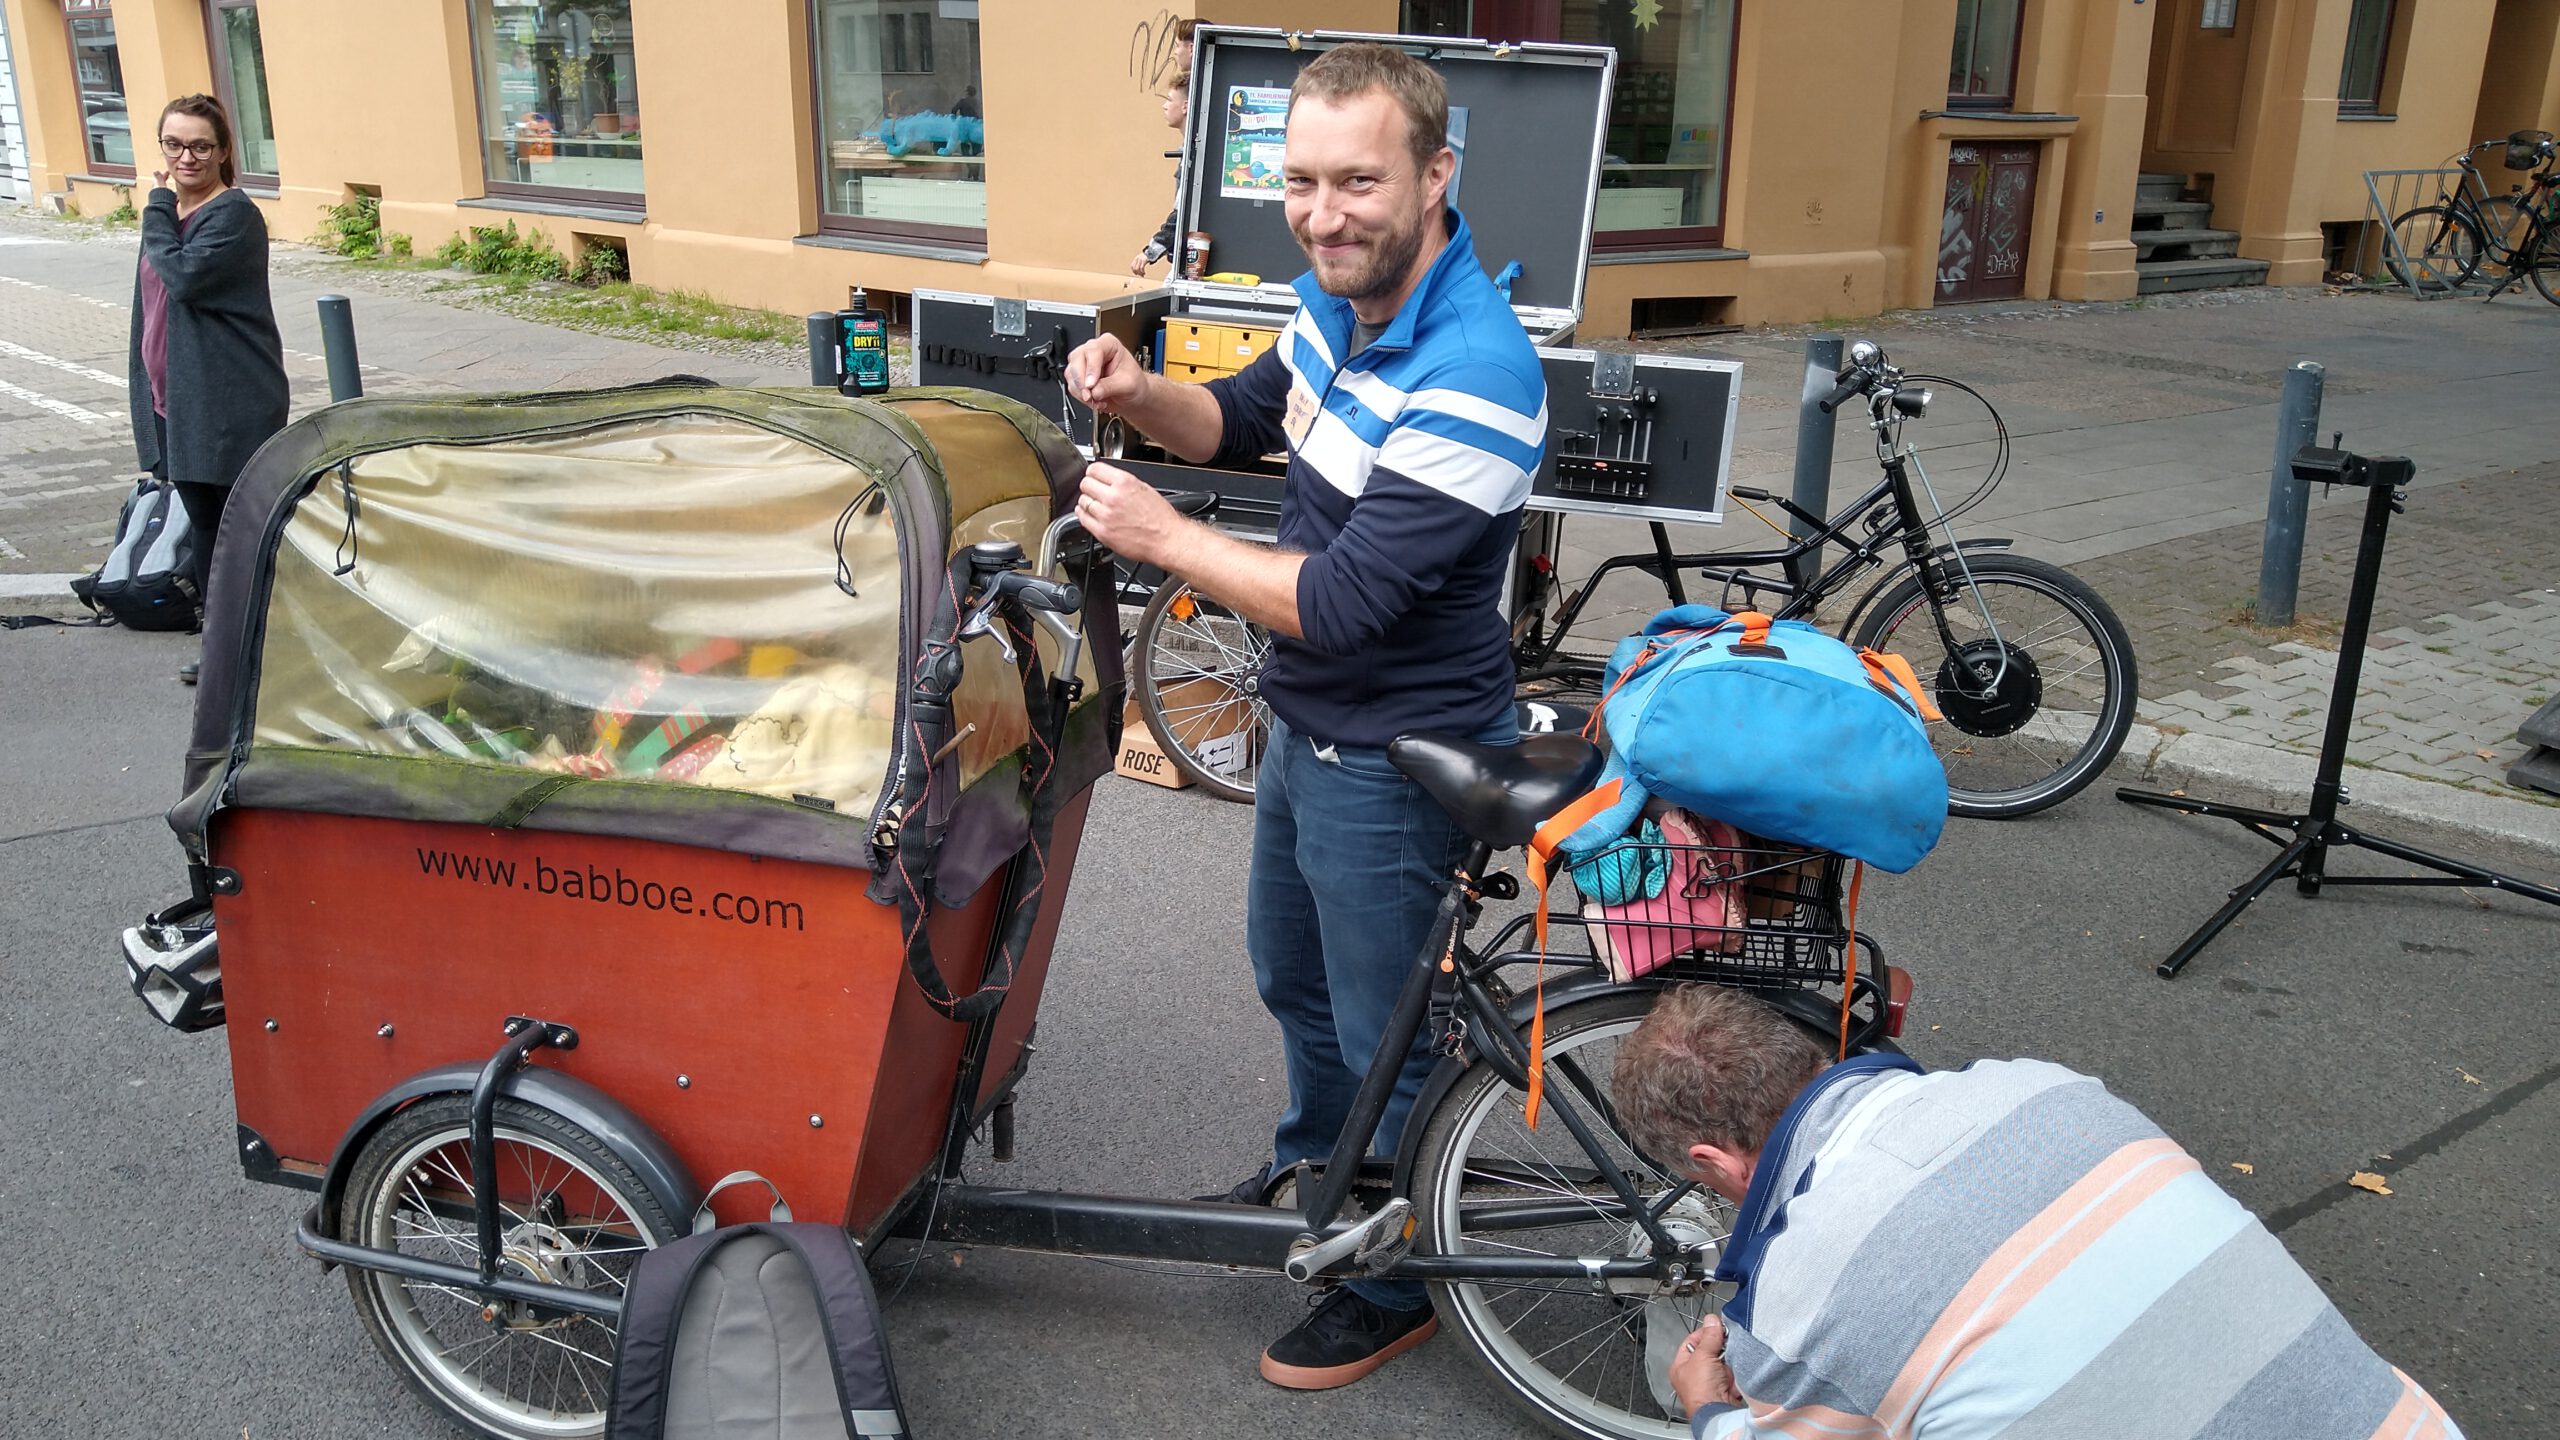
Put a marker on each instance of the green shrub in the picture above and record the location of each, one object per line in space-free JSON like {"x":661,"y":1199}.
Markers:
{"x":601,"y":265}
{"x":502,"y":250}
{"x":353,"y":227}
{"x":124,"y":213}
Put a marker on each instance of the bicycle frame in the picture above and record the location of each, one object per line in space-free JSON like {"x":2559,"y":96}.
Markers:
{"x":1905,"y":526}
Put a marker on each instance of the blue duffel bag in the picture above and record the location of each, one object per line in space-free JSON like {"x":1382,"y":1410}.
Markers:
{"x":1775,"y":728}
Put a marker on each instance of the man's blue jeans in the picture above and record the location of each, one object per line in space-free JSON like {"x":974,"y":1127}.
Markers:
{"x":1348,"y":860}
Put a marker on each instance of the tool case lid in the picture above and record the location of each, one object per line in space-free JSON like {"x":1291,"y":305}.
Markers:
{"x":1528,"y":121}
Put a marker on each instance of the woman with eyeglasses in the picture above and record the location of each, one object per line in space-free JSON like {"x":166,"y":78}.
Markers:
{"x":207,"y":367}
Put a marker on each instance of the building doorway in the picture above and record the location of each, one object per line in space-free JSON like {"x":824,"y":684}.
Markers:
{"x":1982,"y":234}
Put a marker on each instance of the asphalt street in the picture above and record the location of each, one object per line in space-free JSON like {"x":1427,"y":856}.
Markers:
{"x":153,"y":1292}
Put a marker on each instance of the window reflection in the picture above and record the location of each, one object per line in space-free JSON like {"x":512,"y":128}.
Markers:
{"x":901,"y":122}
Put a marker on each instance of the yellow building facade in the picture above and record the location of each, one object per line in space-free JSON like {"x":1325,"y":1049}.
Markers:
{"x":1768,"y":160}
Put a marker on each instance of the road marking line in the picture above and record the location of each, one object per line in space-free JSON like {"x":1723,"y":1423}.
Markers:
{"x":68,"y":367}
{"x":68,"y":294}
{"x":63,"y":408}
{"x":9,"y":551}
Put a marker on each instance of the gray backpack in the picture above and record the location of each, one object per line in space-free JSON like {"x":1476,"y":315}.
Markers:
{"x":753,"y":1332}
{"x":148,"y":580}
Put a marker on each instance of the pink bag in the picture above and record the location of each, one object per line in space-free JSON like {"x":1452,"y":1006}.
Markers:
{"x":1700,"y":909}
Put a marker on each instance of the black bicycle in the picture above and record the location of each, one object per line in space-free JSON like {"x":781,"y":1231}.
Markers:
{"x":2031,"y":668}
{"x":2444,"y":246}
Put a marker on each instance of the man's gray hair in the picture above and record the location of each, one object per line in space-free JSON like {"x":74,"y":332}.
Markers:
{"x":1710,"y":1066}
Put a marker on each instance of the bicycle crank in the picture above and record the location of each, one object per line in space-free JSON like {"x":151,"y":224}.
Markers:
{"x":1983,"y":697}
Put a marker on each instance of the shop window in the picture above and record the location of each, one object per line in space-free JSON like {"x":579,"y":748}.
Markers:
{"x":98,"y":71}
{"x":1982,"y":72}
{"x":2368,"y":48}
{"x":559,"y":100}
{"x":240,"y":76}
{"x":1662,"y":176}
{"x":901,"y":129}
{"x":2219,"y":15}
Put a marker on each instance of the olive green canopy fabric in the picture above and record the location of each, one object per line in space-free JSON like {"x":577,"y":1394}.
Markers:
{"x":674,"y":611}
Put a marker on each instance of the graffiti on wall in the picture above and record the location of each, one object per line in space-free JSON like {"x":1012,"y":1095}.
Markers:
{"x":1151,"y":51}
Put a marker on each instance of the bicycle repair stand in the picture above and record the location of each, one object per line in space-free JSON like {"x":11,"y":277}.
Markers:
{"x":2306,"y":856}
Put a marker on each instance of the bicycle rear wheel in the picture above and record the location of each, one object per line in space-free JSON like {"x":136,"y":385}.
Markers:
{"x":2442,"y":247}
{"x":2031,"y":716}
{"x":1591,"y":1360}
{"x":2541,"y":262}
{"x":1198,"y":679}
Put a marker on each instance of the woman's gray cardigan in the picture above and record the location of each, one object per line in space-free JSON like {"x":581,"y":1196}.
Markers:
{"x":225,"y":386}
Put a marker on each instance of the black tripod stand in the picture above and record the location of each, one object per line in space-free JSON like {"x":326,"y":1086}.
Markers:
{"x":2305,"y":855}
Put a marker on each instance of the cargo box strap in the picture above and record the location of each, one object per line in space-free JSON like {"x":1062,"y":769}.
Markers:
{"x":911,"y":854}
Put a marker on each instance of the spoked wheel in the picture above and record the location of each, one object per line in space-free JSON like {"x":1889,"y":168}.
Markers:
{"x":2443,"y":249}
{"x":2037,"y":702}
{"x":1593,"y":1364}
{"x":570,"y":1213}
{"x":2541,"y":260}
{"x":1198,"y":675}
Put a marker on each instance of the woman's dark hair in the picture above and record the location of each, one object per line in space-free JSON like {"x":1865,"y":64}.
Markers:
{"x":208,"y":109}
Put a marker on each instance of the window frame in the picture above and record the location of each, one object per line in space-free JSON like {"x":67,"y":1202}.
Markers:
{"x":1669,"y":237}
{"x":2007,"y":98}
{"x":856,"y":227}
{"x":220,"y":55}
{"x":2381,"y":79}
{"x":614,"y":204}
{"x":73,"y":11}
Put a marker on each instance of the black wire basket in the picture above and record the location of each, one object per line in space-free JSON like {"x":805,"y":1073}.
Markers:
{"x":2526,"y":149}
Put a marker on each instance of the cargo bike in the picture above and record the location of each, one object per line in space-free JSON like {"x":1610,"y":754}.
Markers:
{"x":596,"y":797}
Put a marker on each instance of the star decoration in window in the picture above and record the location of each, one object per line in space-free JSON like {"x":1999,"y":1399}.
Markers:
{"x":1648,"y":14}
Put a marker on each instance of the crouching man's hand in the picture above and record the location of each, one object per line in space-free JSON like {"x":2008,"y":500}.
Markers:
{"x":1699,"y":1375}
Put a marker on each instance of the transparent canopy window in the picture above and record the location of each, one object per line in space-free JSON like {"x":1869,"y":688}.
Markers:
{"x":902,"y":133}
{"x":601,"y":606}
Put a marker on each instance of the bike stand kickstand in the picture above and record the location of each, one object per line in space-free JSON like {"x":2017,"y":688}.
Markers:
{"x":2315,"y":832}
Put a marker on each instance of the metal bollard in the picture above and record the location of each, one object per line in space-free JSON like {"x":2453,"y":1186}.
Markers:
{"x":2288,"y":499}
{"x":1814,"y":431}
{"x":338,"y":343}
{"x":823,"y":371}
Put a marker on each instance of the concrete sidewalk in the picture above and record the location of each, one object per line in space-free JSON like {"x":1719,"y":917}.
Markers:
{"x":2142,"y":439}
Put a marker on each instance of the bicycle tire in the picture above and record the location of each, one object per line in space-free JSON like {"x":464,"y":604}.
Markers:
{"x":2541,"y":262}
{"x":2442,"y":247}
{"x":1603,"y":1384}
{"x":1197,"y":677}
{"x":2001,"y":743}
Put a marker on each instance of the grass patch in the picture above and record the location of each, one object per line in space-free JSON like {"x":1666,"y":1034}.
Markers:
{"x":124,"y":213}
{"x":2301,"y":711}
{"x":623,"y":306}
{"x":2439,"y":649}
{"x":2239,"y":710}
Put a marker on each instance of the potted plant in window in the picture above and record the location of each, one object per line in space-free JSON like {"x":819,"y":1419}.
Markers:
{"x":608,"y":119}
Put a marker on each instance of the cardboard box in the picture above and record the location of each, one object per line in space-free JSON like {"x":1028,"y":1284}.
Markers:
{"x":1142,"y":759}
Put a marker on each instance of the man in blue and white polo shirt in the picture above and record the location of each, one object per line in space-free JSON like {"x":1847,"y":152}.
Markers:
{"x":1413,"y":411}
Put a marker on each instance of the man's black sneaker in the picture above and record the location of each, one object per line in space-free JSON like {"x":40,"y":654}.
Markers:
{"x":1345,"y":1339}
{"x":1254,"y":1189}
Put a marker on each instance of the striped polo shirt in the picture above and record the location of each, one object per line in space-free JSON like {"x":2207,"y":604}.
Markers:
{"x":2008,"y":1250}
{"x":1408,"y":465}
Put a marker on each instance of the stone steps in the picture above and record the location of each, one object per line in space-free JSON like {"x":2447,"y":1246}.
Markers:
{"x":2175,"y":245}
{"x":2155,"y":277}
{"x":2185,"y":244}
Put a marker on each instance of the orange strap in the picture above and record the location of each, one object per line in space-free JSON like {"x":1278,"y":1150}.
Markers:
{"x":1892,"y":672}
{"x":1755,"y":627}
{"x":1542,"y":848}
{"x":1849,"y":980}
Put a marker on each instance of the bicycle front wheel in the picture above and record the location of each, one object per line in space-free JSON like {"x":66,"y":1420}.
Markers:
{"x":2541,"y":261}
{"x":1198,"y":679}
{"x":2442,"y":248}
{"x":1593,"y":1361}
{"x":2037,"y":700}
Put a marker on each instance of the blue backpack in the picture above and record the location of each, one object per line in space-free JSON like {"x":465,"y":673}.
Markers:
{"x":1775,"y":728}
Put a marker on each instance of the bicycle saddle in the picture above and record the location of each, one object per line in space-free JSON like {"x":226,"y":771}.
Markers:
{"x":1498,"y":794}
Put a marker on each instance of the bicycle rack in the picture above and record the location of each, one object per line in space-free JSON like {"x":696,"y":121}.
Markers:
{"x":2376,"y":263}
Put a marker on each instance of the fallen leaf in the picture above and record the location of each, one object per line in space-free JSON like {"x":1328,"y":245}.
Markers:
{"x":2467,"y":1077}
{"x":2181,"y":794}
{"x":2244,"y":1167}
{"x":2486,"y":754}
{"x":2367,"y":1180}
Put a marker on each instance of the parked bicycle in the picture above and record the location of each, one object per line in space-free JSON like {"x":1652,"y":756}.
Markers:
{"x":2444,"y":246}
{"x":2032,"y":669}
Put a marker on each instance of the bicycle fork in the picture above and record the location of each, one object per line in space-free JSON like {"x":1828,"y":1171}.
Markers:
{"x":1920,"y":543}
